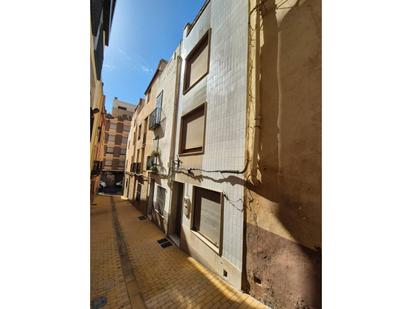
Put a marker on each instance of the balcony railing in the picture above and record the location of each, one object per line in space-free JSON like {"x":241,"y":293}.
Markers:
{"x":135,"y":168}
{"x":154,"y":118}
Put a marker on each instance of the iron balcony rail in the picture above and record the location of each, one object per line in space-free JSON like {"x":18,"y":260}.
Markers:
{"x":154,"y":118}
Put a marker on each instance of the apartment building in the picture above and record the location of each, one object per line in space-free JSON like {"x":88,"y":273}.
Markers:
{"x":140,"y":163}
{"x":98,"y":156}
{"x":101,"y":16}
{"x":116,"y":136}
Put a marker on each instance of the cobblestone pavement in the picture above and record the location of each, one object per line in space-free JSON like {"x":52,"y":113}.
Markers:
{"x":165,"y":278}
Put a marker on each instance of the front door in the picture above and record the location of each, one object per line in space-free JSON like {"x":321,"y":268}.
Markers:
{"x":178,"y":204}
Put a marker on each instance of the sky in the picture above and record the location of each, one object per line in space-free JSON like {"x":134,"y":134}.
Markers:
{"x":143,"y":32}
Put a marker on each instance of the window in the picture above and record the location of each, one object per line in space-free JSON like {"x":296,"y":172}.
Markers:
{"x":126,"y":128}
{"x":116,"y":151}
{"x":159,"y":203}
{"x":197,"y":63}
{"x":124,"y":140}
{"x":109,"y":150}
{"x":121,"y":164}
{"x":145,"y":130}
{"x":123,"y":151}
{"x":192,"y":131}
{"x":207,"y":214}
{"x":121,"y":107}
{"x":99,"y":134}
{"x":119,"y":128}
{"x":113,"y":126}
{"x":108,"y":162}
{"x":140,"y":131}
{"x":155,"y":116}
{"x":111,"y":138}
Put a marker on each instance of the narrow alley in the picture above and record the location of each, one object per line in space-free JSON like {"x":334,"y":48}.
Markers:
{"x":130,"y":268}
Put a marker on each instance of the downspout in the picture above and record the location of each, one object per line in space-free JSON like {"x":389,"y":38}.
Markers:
{"x":175,"y":112}
{"x":174,"y":126}
{"x":252,"y":136}
{"x":256,"y":112}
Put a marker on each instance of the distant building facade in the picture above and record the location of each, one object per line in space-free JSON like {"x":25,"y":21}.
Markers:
{"x":140,"y":153}
{"x":132,"y":167}
{"x":116,"y":135}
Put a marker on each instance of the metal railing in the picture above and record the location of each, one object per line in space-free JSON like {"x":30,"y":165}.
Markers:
{"x":155,"y":118}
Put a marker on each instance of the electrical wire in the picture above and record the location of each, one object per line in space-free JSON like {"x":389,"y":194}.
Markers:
{"x":189,"y":170}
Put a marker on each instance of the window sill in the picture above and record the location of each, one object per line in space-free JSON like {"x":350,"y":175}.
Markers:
{"x":195,"y":83}
{"x":184,"y":154}
{"x":208,"y":243}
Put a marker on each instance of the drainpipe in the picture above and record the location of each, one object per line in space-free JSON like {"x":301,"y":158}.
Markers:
{"x":175,"y":110}
{"x":256,"y":112}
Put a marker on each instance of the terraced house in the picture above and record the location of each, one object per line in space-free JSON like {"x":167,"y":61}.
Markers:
{"x":233,"y":170}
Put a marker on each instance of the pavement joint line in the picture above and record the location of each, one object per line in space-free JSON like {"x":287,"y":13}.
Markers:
{"x":135,"y":298}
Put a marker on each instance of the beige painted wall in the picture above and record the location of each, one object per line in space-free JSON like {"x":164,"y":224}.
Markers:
{"x":288,"y":166}
{"x":283,"y":208}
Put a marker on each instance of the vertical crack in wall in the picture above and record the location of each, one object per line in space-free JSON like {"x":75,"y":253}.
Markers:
{"x":135,"y":298}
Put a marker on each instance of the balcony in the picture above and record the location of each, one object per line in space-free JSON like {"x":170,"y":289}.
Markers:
{"x":155,"y":118}
{"x":135,"y":168}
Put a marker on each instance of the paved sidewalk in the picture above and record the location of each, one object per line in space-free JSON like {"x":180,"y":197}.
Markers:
{"x":165,"y":278}
{"x":106,"y":272}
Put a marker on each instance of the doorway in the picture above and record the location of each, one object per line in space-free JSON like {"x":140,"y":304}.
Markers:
{"x":150,"y":198}
{"x":176,"y":212}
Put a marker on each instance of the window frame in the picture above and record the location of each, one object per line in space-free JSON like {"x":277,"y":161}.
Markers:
{"x":181,"y":151}
{"x":160,"y":212}
{"x":139,"y":132}
{"x":218,"y":249}
{"x":205,"y":38}
{"x":111,"y":138}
